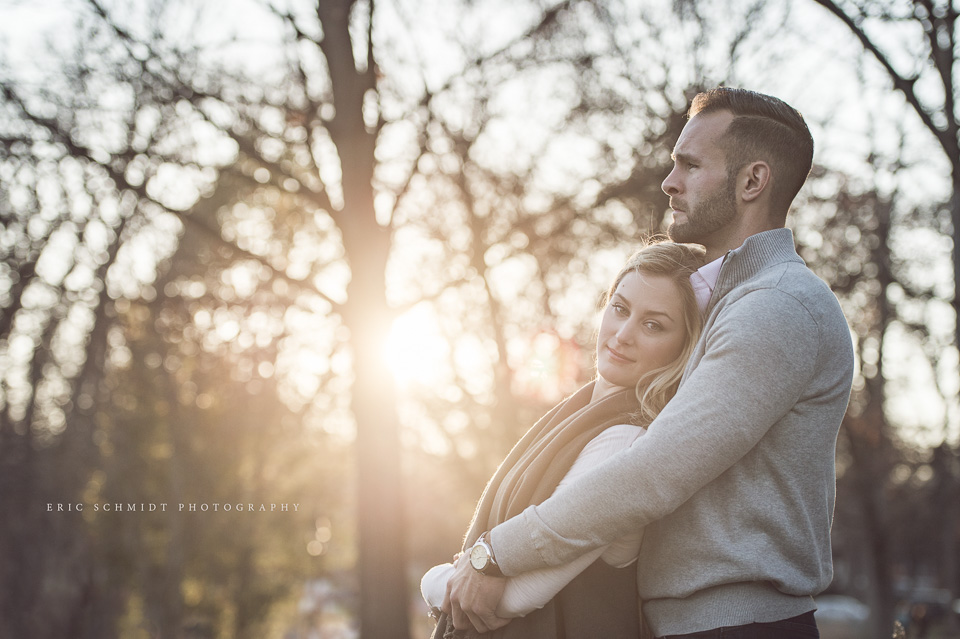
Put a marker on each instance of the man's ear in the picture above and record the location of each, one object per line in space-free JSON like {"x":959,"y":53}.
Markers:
{"x":755,"y":178}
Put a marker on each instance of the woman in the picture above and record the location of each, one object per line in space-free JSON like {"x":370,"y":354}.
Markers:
{"x":648,"y":329}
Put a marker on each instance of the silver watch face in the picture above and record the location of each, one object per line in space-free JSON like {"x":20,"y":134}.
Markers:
{"x":479,"y":557}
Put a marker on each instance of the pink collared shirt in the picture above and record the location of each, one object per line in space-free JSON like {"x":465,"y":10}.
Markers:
{"x":705,"y":280}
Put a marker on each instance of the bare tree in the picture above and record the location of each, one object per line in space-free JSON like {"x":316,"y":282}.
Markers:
{"x":927,"y":82}
{"x":308,"y":186}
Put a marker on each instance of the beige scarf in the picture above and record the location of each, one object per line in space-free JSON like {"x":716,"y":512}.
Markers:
{"x":535,"y":466}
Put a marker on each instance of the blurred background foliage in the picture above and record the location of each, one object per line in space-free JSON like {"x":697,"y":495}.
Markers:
{"x":342,"y":254}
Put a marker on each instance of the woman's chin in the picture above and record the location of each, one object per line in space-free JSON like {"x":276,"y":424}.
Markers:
{"x":614,"y":381}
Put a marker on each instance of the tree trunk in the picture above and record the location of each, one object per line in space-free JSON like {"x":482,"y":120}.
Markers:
{"x":383,"y":587}
{"x":383,"y":583}
{"x":955,"y":219}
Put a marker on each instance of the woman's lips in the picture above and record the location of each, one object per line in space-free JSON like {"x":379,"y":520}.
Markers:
{"x":618,"y":356}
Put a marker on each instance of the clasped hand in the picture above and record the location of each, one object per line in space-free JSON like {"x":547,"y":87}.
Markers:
{"x":472,"y":599}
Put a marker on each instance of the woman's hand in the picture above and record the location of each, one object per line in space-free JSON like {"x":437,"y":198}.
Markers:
{"x":472,"y":598}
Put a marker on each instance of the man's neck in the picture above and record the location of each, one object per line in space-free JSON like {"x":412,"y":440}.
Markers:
{"x":720,"y":245}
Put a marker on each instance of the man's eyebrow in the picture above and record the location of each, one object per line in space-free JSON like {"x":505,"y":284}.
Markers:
{"x":685,"y":157}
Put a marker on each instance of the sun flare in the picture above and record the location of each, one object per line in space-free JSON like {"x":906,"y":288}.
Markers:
{"x":415,"y":351}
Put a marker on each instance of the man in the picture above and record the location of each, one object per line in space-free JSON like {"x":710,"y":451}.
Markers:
{"x":735,"y":480}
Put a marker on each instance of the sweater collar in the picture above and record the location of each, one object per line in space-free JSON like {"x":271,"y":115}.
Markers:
{"x":758,"y":252}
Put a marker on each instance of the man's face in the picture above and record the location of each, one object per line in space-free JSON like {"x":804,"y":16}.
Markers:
{"x":702,"y":196}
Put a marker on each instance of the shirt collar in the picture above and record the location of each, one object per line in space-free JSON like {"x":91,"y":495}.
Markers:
{"x":704,"y":280}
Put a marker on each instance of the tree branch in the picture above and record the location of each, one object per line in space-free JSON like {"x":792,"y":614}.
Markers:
{"x":118,"y":177}
{"x":901,"y":83}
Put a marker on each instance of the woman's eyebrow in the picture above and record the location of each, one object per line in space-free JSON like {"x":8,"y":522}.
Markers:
{"x":660,"y":313}
{"x":617,"y":297}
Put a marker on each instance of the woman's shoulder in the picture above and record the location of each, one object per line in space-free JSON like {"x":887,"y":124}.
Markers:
{"x":609,"y":442}
{"x":619,"y":435}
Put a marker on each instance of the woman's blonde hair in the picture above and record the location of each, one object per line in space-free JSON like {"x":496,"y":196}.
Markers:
{"x":676,"y":261}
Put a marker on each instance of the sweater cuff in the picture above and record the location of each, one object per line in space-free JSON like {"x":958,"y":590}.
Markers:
{"x":519,"y":543}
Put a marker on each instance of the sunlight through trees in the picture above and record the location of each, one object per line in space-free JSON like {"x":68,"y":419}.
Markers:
{"x":342,"y":254}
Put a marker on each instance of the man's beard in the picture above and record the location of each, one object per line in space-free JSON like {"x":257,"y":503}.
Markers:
{"x":708,"y":216}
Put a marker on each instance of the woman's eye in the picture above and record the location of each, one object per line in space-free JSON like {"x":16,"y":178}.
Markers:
{"x":653,"y":326}
{"x":620,"y":309}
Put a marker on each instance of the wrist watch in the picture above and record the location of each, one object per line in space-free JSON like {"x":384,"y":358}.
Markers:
{"x":482,"y":559}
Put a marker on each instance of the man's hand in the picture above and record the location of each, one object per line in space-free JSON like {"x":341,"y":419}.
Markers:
{"x":472,"y":599}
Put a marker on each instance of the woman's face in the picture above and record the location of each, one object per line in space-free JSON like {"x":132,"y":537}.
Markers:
{"x":642,"y":328}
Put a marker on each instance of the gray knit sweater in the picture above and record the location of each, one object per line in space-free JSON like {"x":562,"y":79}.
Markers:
{"x":735,"y":480}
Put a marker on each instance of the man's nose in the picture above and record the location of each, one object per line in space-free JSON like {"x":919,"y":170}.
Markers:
{"x":669,"y":184}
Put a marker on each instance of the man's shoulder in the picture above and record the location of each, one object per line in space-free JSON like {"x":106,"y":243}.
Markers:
{"x":806,"y":286}
{"x":788,"y":292}
{"x":783,"y":305}
{"x":796,"y":280}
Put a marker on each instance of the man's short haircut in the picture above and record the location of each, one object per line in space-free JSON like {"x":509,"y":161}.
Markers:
{"x":764,"y":128}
